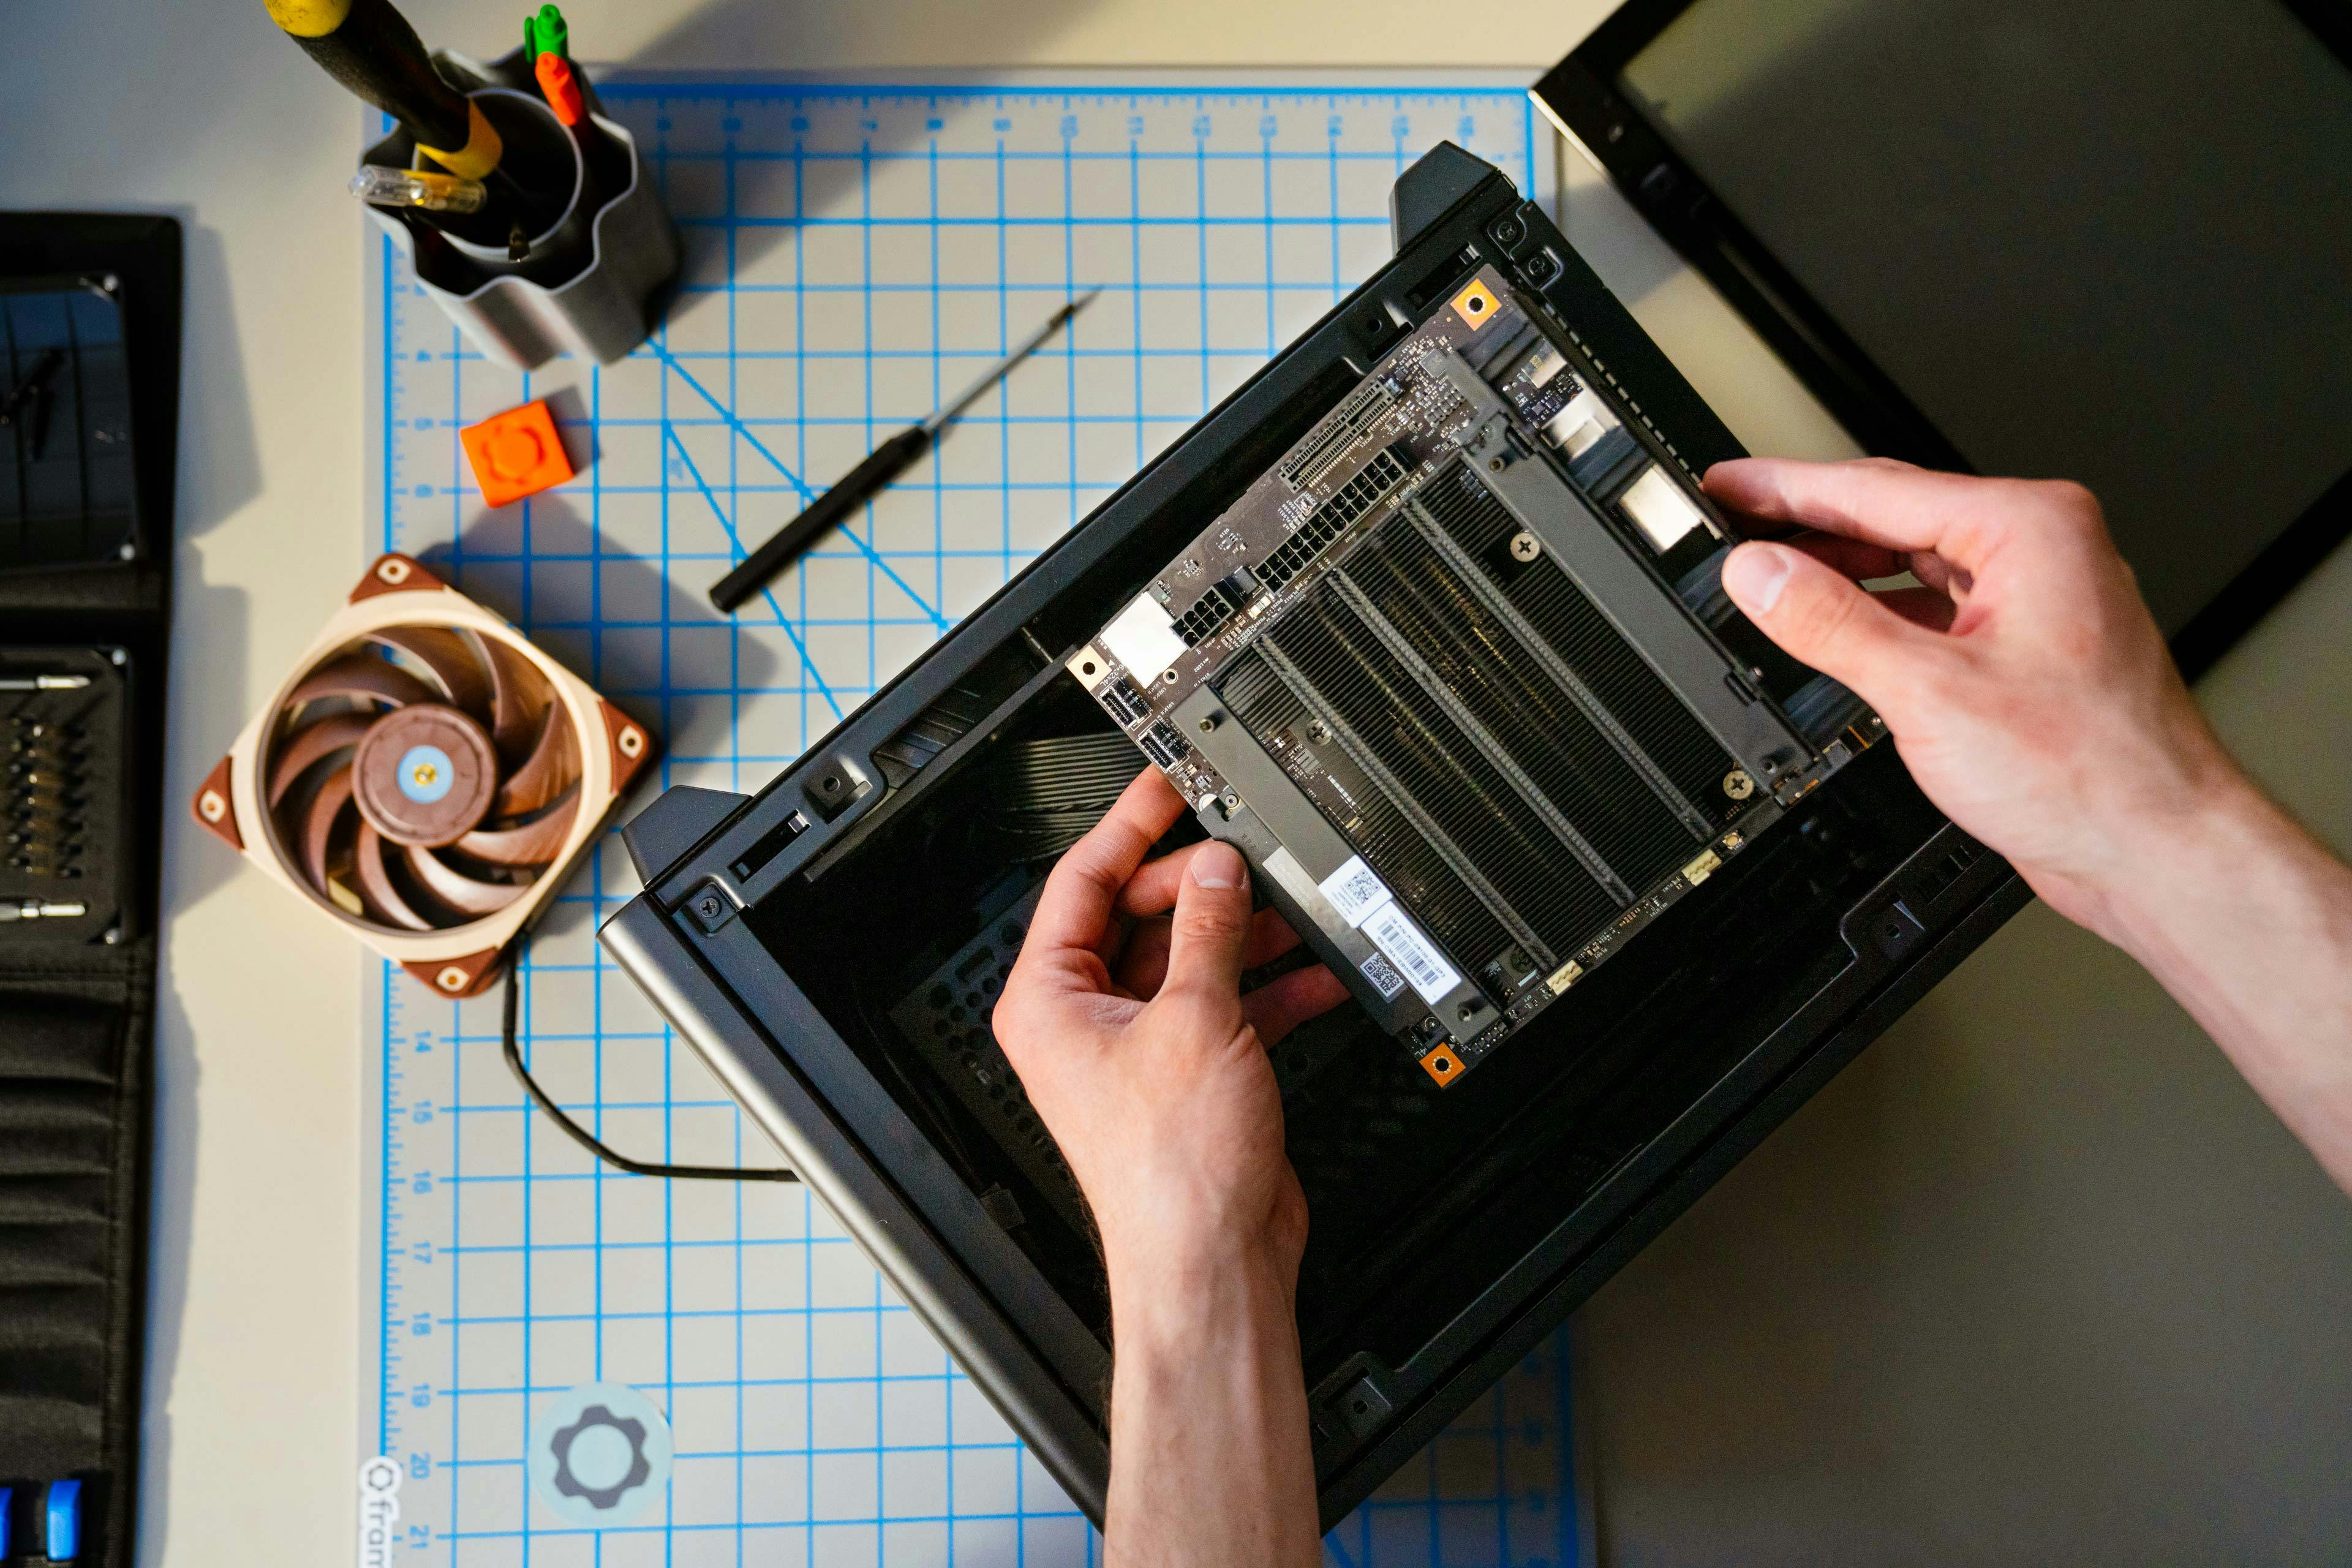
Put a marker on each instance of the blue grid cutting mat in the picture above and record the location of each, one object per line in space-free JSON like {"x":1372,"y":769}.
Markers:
{"x":854,"y":251}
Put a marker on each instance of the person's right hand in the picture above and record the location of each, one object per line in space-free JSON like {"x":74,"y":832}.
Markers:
{"x":2026,"y":685}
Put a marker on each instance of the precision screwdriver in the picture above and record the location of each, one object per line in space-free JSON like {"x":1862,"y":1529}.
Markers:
{"x":886,"y":463}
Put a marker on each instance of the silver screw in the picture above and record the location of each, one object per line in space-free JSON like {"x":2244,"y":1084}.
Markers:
{"x":1526,"y":546}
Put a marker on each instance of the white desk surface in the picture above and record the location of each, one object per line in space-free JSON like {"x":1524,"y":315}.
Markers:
{"x":2035,"y":1278}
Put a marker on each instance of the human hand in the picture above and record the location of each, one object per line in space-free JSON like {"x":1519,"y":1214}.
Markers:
{"x":1125,"y":1018}
{"x":2025,"y":683}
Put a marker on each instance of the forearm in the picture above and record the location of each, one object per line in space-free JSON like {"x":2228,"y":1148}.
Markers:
{"x":1211,"y":1462}
{"x":2247,"y":921}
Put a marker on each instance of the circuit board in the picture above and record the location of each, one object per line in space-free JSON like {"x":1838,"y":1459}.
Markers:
{"x":1514,"y":792}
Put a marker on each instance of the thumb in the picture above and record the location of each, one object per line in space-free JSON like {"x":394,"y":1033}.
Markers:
{"x":1826,"y":620}
{"x":1211,"y":924}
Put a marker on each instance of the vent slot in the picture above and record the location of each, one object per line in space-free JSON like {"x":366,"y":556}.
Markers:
{"x":1480,"y":661}
{"x":1414,"y":868}
{"x":1369,"y":690}
{"x":1582,"y":638}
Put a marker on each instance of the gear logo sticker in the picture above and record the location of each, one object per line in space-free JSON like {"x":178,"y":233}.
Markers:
{"x":599,"y":1454}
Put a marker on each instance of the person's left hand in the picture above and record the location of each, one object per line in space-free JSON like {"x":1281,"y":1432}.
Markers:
{"x":1126,"y":1021}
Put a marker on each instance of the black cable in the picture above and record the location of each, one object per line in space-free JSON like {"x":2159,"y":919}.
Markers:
{"x":587,"y":1139}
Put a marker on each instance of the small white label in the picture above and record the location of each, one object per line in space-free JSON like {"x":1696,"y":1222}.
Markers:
{"x":379,"y":1511}
{"x":1355,"y":891}
{"x":1143,"y":638}
{"x":1383,"y":977}
{"x":1411,"y":952}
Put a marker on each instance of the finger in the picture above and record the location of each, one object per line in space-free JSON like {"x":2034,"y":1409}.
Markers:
{"x":1075,"y":910}
{"x":1828,"y":622}
{"x":1211,"y":925}
{"x":1856,"y":558}
{"x":1932,"y":570}
{"x":1152,"y":889}
{"x":1873,"y":498}
{"x":1920,"y":606}
{"x":1281,"y":1004}
{"x":1144,"y":966}
{"x":1270,"y":937}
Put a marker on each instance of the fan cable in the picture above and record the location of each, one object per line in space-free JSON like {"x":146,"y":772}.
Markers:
{"x":588,"y":1140}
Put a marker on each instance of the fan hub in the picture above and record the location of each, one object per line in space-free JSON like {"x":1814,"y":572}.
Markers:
{"x":425,"y":774}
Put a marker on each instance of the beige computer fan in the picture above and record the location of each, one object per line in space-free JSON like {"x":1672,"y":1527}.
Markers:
{"x":426,"y":775}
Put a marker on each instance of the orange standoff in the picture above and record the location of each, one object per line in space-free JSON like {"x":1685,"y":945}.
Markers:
{"x":517,"y":453}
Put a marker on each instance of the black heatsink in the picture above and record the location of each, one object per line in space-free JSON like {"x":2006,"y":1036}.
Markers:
{"x":1582,"y":638}
{"x":1388,"y":841}
{"x":1480,"y":659}
{"x":1367,"y":688}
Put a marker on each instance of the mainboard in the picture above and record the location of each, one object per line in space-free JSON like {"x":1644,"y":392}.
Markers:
{"x":1447,"y":672}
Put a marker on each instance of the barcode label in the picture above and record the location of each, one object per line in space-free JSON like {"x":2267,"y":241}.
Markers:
{"x":1422,"y":964}
{"x":1383,"y":977}
{"x":1355,"y":891}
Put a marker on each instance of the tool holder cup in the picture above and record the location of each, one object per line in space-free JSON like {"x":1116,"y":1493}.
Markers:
{"x":603,"y":252}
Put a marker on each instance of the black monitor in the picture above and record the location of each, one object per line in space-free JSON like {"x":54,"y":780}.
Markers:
{"x":2109,"y":241}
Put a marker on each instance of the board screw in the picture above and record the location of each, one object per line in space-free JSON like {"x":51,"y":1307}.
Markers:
{"x":1525,"y":546}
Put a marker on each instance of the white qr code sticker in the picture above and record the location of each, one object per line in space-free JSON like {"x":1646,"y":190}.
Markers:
{"x":1411,"y":952}
{"x":1383,"y":977}
{"x":1355,"y":891}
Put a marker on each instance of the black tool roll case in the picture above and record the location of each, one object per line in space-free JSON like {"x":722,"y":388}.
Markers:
{"x":89,"y":373}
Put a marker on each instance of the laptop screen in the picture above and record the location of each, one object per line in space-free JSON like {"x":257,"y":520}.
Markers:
{"x":2108,"y":240}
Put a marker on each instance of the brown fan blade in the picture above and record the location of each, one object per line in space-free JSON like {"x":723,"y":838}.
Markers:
{"x":452,"y":662}
{"x":306,"y":745}
{"x":382,"y":900}
{"x":362,"y":675}
{"x":533,"y":844}
{"x":457,"y":889}
{"x":319,"y":820}
{"x":552,"y":764}
{"x":519,"y":695}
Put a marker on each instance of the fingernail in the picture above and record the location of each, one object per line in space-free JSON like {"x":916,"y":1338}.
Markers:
{"x":1219,"y":866}
{"x":1755,"y":575}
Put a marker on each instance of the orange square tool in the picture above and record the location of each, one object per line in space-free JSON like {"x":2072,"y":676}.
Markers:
{"x":516,"y":453}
